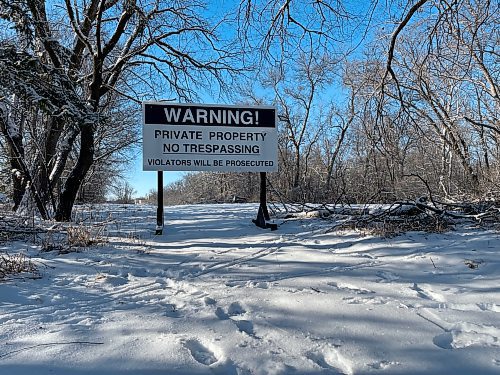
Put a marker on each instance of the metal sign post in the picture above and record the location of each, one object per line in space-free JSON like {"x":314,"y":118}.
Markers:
{"x":263,"y":213}
{"x":263,"y":194}
{"x":159,"y":209}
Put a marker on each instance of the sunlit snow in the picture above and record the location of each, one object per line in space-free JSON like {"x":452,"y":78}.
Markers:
{"x":216,"y":294}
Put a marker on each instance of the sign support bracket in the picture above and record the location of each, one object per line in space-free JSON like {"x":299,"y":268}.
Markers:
{"x":263,"y":213}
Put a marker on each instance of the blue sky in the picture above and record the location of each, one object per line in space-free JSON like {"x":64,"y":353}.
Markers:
{"x":144,"y":181}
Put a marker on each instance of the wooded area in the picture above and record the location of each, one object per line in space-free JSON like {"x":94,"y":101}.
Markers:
{"x":377,"y":103}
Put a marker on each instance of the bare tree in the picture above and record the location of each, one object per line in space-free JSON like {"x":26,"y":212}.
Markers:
{"x":444,"y":81}
{"x":77,"y":57}
{"x":277,"y":29}
{"x":123,"y":192}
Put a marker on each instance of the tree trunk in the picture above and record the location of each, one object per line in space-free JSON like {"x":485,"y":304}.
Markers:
{"x":50,"y":148}
{"x":62,"y":155}
{"x":18,"y":180}
{"x":21,"y":178}
{"x":296,"y":175}
{"x":77,"y":175}
{"x":15,"y":150}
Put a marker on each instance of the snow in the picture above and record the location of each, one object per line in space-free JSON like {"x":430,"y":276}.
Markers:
{"x":216,"y":294}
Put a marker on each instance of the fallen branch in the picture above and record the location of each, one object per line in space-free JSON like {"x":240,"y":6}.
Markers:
{"x":410,"y":215}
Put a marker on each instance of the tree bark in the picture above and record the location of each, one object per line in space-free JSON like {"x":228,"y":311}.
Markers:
{"x":18,"y":182}
{"x":15,"y":151}
{"x":77,"y":175}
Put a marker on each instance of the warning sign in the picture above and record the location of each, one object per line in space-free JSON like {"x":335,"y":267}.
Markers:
{"x":200,"y":137}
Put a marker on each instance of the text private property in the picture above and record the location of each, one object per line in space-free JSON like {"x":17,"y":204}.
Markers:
{"x":212,"y":135}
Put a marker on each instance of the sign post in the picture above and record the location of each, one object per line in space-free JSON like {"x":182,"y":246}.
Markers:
{"x":202,"y":137}
{"x":159,"y":209}
{"x":263,"y":213}
{"x":263,"y":194}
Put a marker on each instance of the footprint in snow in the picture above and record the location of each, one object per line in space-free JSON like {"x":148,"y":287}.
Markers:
{"x":366,"y":300}
{"x":245,"y":326}
{"x":387,"y":277}
{"x":115,"y":281}
{"x":234,"y":313}
{"x":236,"y":308}
{"x":381,"y":365}
{"x":208,"y":357}
{"x":330,"y":359}
{"x":172,"y":311}
{"x":464,"y":335}
{"x":221,"y":314}
{"x":444,"y":340}
{"x":209,"y":301}
{"x":350,"y":288}
{"x":489,"y":307}
{"x":200,"y":353}
{"x":257,"y":284}
{"x":426,"y":293}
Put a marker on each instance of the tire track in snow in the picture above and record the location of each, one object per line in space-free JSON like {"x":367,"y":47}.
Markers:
{"x":298,"y":275}
{"x":261,"y":253}
{"x":95,"y":298}
{"x":243,"y":259}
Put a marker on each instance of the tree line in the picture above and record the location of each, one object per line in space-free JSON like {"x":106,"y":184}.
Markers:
{"x":376,"y":102}
{"x":418,"y":116}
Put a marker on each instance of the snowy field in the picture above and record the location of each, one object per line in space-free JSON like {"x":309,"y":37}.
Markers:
{"x":215,"y":294}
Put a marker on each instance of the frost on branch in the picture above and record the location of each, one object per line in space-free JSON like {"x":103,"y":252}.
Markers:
{"x":51,"y":89}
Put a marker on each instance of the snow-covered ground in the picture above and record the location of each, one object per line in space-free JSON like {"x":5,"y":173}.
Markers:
{"x":216,"y":294}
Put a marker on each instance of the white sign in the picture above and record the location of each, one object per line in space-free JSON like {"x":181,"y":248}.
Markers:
{"x":200,"y":137}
